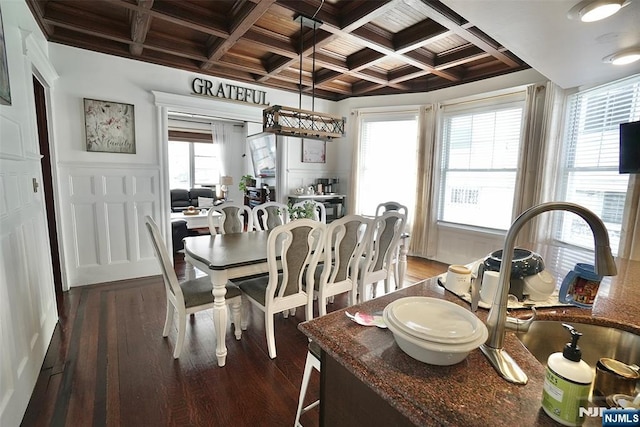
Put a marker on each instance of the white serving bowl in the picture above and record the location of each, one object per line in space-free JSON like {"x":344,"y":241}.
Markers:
{"x":441,"y":352}
{"x":433,"y":319}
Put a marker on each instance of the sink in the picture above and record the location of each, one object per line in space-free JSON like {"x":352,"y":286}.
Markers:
{"x":547,"y":336}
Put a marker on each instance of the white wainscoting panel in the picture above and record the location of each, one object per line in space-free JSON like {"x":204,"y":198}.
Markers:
{"x":104,"y":231}
{"x":462,"y":246}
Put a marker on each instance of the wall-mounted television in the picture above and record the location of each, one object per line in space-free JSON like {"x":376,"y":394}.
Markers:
{"x":263,"y":154}
{"x":630,"y":147}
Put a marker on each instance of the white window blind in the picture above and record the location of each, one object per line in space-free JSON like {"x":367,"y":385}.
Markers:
{"x":388,"y":159}
{"x":479,"y":161}
{"x":589,"y":170}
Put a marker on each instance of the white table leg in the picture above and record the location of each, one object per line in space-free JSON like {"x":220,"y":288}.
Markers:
{"x":219,"y":281}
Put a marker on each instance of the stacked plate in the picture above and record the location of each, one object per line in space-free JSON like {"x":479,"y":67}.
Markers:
{"x":434,"y":331}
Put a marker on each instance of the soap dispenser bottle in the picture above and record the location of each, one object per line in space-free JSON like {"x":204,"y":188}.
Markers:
{"x":567,"y":383}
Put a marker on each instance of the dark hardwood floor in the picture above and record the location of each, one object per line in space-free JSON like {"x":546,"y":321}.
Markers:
{"x":108,"y":364}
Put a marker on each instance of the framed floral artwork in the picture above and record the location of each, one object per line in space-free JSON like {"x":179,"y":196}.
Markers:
{"x":110,"y":126}
{"x":313,"y":151}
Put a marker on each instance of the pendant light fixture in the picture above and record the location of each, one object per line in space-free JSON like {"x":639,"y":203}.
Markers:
{"x":296,"y":121}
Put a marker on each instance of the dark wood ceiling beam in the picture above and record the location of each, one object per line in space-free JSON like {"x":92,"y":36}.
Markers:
{"x":460,"y":57}
{"x":140,"y":24}
{"x":111,"y":47}
{"x":406,"y":74}
{"x":166,"y":11}
{"x":266,"y":39}
{"x":322,"y":38}
{"x":92,"y":26}
{"x":364,"y":13}
{"x":419,"y":35}
{"x":326,"y":75}
{"x":444,"y":19}
{"x":247,"y":16}
{"x":38,"y":10}
{"x":352,"y":19}
{"x":333,"y":87}
{"x":361,"y":88}
{"x":386,"y":48}
{"x":171,"y":47}
{"x":328,"y":13}
{"x":363,"y":58}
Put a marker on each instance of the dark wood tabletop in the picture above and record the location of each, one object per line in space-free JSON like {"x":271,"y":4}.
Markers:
{"x":226,"y":251}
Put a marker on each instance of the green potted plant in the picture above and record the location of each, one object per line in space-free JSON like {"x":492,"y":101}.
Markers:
{"x":245,"y":182}
{"x":299,"y":212}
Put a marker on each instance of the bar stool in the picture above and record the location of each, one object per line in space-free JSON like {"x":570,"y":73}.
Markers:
{"x":313,"y":362}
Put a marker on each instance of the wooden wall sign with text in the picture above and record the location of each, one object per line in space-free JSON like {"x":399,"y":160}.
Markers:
{"x":228,"y":91}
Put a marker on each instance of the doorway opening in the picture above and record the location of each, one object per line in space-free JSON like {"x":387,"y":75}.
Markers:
{"x":47,"y":185}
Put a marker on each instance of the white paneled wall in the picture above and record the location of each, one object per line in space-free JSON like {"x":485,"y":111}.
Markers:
{"x":27,"y":299}
{"x":103,"y":210}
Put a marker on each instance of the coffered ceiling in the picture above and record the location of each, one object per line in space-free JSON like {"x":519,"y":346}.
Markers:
{"x":359,"y":47}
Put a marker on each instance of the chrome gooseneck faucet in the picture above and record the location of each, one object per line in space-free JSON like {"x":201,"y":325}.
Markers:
{"x":497,"y":321}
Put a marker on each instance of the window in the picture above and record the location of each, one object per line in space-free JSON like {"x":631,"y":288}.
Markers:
{"x":193,"y":164}
{"x":479,"y":161}
{"x":589,"y":169}
{"x":388,"y":159}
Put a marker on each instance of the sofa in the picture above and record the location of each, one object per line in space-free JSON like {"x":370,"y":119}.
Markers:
{"x":182,"y":199}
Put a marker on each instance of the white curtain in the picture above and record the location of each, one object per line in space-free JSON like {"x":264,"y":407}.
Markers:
{"x":221,"y":132}
{"x":354,"y":125}
{"x":423,"y":236}
{"x":547,"y":173}
{"x":530,"y":160}
{"x":630,"y":232}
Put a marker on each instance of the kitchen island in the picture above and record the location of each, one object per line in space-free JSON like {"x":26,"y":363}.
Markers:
{"x":367,"y":380}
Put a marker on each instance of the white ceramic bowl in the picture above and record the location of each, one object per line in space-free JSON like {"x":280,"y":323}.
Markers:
{"x":539,"y":286}
{"x":435,"y":352}
{"x":435,"y":320}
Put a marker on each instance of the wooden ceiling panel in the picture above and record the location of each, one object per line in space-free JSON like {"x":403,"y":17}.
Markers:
{"x":362,"y":47}
{"x":452,"y":41}
{"x":399,"y":18}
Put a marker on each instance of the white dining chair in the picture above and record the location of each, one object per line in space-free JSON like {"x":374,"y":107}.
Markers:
{"x":319,"y":210}
{"x":338,"y":271}
{"x":391,"y":206}
{"x":235,"y":218}
{"x":396,"y":207}
{"x":291,"y":249}
{"x":189,"y":296}
{"x":380,"y":245}
{"x":269,"y":215}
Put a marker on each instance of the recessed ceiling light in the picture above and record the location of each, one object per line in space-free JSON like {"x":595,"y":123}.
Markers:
{"x":623,"y":57}
{"x":595,"y":10}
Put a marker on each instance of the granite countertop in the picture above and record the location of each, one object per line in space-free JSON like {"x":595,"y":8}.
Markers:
{"x":470,"y":393}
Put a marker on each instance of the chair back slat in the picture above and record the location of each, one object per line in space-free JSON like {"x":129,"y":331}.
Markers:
{"x":232,"y":220}
{"x":162,"y":255}
{"x":292,"y":248}
{"x":382,"y":240}
{"x":269,"y":215}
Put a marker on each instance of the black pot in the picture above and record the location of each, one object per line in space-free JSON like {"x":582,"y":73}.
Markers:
{"x":525,"y":263}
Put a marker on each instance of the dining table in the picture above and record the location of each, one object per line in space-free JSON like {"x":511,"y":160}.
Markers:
{"x":224,"y":257}
{"x":230,"y":256}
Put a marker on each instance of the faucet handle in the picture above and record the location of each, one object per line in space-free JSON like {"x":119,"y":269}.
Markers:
{"x":520,"y":325}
